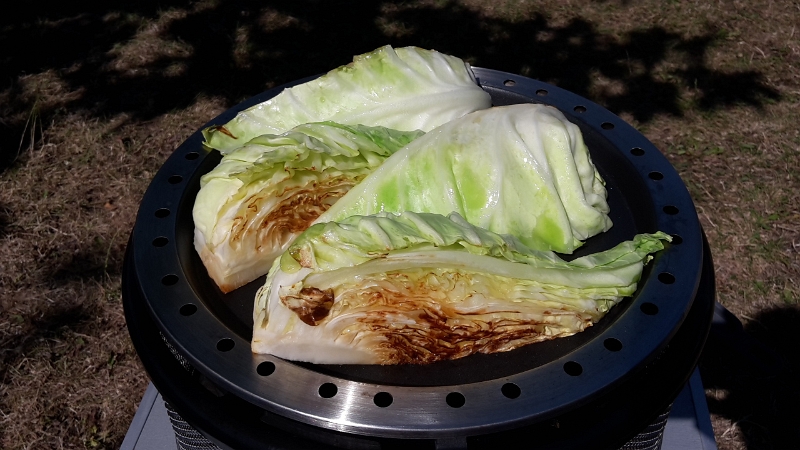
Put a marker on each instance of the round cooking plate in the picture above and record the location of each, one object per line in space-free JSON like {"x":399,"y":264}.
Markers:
{"x":473,"y":395}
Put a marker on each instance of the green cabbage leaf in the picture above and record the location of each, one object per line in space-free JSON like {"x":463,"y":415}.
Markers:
{"x":522,"y":170}
{"x":420,"y":287}
{"x":405,"y":89}
{"x":262,"y":195}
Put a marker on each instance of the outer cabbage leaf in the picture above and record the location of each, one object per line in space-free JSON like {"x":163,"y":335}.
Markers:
{"x":265,"y":193}
{"x":404,"y":89}
{"x":418,"y":288}
{"x":522,"y":170}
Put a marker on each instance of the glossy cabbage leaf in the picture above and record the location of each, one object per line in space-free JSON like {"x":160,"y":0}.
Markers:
{"x":406,"y":89}
{"x":265,"y":193}
{"x":418,"y":288}
{"x":522,"y":170}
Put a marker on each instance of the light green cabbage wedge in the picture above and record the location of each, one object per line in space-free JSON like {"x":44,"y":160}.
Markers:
{"x":404,"y":89}
{"x":418,"y":288}
{"x":522,"y":170}
{"x":267,"y":192}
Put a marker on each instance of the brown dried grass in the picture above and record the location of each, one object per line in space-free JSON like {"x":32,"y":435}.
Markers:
{"x":89,"y":118}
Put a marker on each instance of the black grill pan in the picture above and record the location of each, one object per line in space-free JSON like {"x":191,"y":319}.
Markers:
{"x":474,"y":396}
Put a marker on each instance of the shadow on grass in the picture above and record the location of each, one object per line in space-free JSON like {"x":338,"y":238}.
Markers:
{"x":61,"y":56}
{"x":756,"y":369}
{"x":5,"y":220}
{"x":52,"y":326}
{"x":95,"y":264}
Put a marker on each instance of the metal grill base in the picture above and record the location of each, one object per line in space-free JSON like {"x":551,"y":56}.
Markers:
{"x":189,"y":438}
{"x":652,"y":436}
{"x":186,"y":436}
{"x":212,"y":330}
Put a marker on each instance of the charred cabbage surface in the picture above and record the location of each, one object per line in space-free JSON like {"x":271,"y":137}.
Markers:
{"x":419,"y":288}
{"x":267,"y":192}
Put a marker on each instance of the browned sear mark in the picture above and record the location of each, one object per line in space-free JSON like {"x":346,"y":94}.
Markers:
{"x":223,"y":130}
{"x":418,"y":328}
{"x":311,"y":305}
{"x":290,"y":217}
{"x":297,"y":212}
{"x":434,"y":339}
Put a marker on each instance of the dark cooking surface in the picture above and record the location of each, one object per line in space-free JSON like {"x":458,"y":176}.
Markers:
{"x":212,"y":330}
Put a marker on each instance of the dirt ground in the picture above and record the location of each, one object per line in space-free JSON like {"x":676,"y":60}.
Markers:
{"x":95,"y":97}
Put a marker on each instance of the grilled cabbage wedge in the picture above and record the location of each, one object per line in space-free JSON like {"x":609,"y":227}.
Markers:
{"x":262,"y":195}
{"x":522,"y":170}
{"x":405,"y":89}
{"x":418,"y":288}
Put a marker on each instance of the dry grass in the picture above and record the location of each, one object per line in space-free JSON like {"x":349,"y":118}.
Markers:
{"x":95,"y":98}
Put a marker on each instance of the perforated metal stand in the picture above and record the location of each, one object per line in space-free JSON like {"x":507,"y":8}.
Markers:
{"x":241,"y":400}
{"x":688,"y":426}
{"x":188,"y":438}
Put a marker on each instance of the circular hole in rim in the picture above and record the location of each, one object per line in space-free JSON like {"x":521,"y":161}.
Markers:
{"x":573,"y":369}
{"x":225,"y":344}
{"x":188,"y":309}
{"x":656,"y":176}
{"x":192,"y":156}
{"x":175,"y":179}
{"x":607,"y":126}
{"x":676,"y":239}
{"x":455,"y":399}
{"x":671,"y":210}
{"x":160,"y":241}
{"x":266,"y":368}
{"x":612,"y":344}
{"x":666,"y":278}
{"x":579,"y":109}
{"x":649,"y":309}
{"x":327,"y":390}
{"x":162,"y":212}
{"x":511,"y":390}
{"x":383,"y":399}
{"x":636,"y":151}
{"x":509,"y":83}
{"x":542,"y":92}
{"x":169,"y":280}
